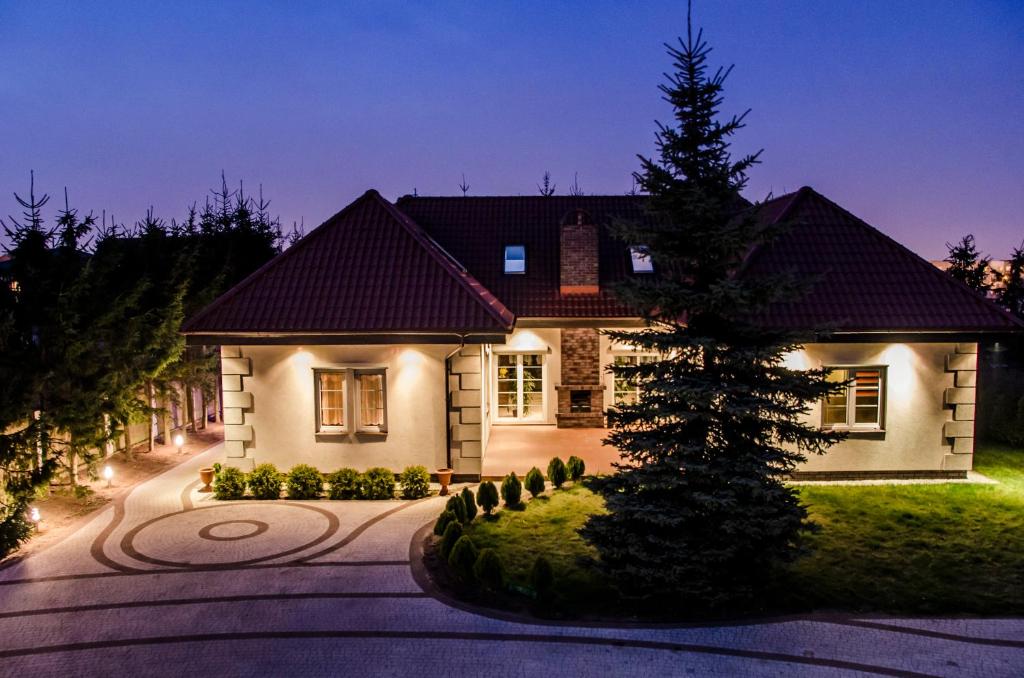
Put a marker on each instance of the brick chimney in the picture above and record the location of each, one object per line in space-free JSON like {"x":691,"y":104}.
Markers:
{"x":578,"y":254}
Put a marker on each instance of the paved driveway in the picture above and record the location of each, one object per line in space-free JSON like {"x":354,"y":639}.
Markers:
{"x":169,"y":582}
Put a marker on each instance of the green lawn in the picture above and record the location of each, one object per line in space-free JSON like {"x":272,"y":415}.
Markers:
{"x":940,"y":549}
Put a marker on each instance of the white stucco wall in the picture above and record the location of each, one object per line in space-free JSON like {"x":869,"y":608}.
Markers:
{"x":282,"y":414}
{"x":915,"y":413}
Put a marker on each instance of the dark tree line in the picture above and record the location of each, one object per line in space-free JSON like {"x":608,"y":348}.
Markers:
{"x":89,"y":330}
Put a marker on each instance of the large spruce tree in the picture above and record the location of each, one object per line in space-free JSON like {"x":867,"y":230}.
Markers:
{"x":697,"y":510}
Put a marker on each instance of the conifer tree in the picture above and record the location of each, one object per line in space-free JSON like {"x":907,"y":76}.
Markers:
{"x":697,"y":510}
{"x":1011,"y":294}
{"x":967,"y":265}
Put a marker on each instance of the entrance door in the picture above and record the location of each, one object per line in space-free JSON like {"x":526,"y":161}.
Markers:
{"x":520,"y":386}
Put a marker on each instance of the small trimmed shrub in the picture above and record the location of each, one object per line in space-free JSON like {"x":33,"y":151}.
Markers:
{"x":542,"y":578}
{"x":534,"y":482}
{"x":556,"y":472}
{"x":304,"y":482}
{"x":442,"y":522}
{"x":415,"y":482}
{"x":379,"y":483}
{"x":452,"y":533}
{"x":463,"y":558}
{"x":575,"y":468}
{"x":229,"y":483}
{"x":457,"y":506}
{"x":511,"y":490}
{"x":470,"y":503}
{"x":489,"y":571}
{"x":345,"y":483}
{"x":265,"y":482}
{"x":487,"y":496}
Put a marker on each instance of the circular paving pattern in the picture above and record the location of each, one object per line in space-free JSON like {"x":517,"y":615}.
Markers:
{"x":207,"y":532}
{"x":226,"y":535}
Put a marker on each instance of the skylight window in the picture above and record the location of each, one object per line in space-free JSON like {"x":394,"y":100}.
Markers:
{"x":641,"y":259}
{"x":515,"y":259}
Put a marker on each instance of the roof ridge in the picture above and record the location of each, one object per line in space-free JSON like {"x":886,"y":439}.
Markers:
{"x":918,"y":260}
{"x":300,"y":245}
{"x":495,"y":309}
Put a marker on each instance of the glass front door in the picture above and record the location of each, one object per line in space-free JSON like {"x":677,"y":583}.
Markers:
{"x":520,"y":386}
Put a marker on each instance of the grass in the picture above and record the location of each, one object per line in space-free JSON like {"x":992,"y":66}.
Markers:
{"x":933,"y":549}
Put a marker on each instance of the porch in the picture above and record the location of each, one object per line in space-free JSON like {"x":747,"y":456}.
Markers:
{"x":517,"y":448}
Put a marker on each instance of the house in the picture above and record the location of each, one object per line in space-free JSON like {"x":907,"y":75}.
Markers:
{"x":464,"y":332}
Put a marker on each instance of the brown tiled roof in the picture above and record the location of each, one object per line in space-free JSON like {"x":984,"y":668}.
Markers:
{"x":378,"y":267}
{"x":477,"y":229}
{"x":368,"y":268}
{"x":865,"y":281}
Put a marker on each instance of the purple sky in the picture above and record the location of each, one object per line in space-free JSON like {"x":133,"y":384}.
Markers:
{"x":910,"y":114}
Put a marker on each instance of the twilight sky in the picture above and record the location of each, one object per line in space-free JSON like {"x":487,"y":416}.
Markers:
{"x":908,"y":113}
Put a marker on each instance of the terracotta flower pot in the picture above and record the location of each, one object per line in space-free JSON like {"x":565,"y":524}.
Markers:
{"x":206,"y":477}
{"x":444,"y":476}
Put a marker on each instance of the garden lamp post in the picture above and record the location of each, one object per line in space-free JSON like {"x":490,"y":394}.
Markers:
{"x":179,"y":442}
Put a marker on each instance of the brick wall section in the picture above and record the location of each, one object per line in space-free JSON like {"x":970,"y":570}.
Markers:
{"x":578,"y":256}
{"x":581,"y":371}
{"x":581,"y":356}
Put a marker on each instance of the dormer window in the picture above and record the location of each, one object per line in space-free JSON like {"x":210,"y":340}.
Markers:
{"x":641,"y":259}
{"x":515,"y":259}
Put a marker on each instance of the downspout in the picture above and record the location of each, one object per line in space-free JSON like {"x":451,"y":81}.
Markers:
{"x":448,"y":401}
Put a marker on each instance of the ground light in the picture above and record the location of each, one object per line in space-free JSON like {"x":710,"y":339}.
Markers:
{"x":179,"y":442}
{"x":108,"y":474}
{"x":34,"y":517}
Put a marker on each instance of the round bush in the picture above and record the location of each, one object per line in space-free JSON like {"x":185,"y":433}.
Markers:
{"x":345,"y":483}
{"x":456,"y":505}
{"x":304,"y":482}
{"x":542,"y":577}
{"x":463,"y":558}
{"x":556,"y":472}
{"x":452,"y":533}
{"x":415,"y":482}
{"x":534,"y":481}
{"x":379,"y":483}
{"x":487,"y":496}
{"x":489,"y":571}
{"x":442,"y":522}
{"x":469,"y":501}
{"x":265,"y":482}
{"x":229,"y":483}
{"x":575,"y":468}
{"x":511,"y":490}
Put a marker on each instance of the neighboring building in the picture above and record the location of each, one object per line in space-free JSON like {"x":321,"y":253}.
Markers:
{"x":465,"y":332}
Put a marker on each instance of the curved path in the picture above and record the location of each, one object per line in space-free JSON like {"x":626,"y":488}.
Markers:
{"x":169,"y":582}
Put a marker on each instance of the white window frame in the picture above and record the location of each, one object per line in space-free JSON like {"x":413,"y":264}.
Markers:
{"x":345,"y":400}
{"x":640,"y":258}
{"x":357,"y":409}
{"x":851,"y":400}
{"x":541,"y":415}
{"x":507,"y":260}
{"x":637,"y":355}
